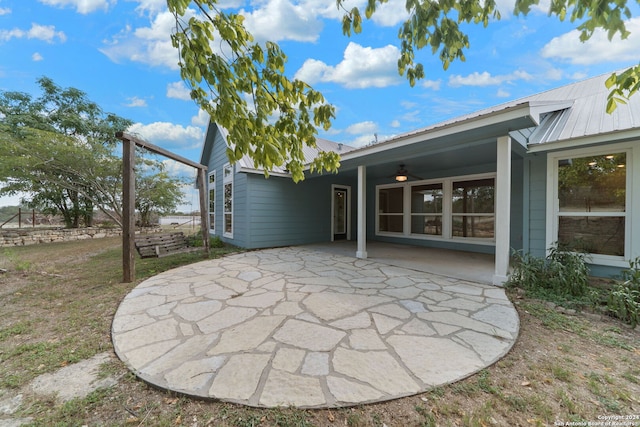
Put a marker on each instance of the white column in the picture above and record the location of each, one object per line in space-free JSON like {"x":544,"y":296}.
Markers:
{"x":362,"y":212}
{"x":503,"y":210}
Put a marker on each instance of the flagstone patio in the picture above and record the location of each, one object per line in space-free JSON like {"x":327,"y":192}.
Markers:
{"x":306,"y":328}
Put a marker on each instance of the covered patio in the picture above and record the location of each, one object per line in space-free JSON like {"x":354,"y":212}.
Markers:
{"x":461,"y":265}
{"x":309,"y":327}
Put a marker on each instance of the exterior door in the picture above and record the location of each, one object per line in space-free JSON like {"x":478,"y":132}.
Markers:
{"x":340,"y":205}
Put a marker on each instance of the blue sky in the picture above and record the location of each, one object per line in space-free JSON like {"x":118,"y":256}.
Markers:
{"x":119,"y":53}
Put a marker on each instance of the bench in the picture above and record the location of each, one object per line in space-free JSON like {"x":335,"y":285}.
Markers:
{"x":162,"y":244}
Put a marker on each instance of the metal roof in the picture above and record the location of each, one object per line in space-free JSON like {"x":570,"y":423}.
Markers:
{"x":587,"y":116}
{"x":567,"y":113}
{"x":246,"y":163}
{"x":573,"y":111}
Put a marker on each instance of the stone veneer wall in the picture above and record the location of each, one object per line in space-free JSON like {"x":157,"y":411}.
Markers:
{"x":33,"y":236}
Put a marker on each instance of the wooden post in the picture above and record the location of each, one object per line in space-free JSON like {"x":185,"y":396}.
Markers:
{"x":129,"y":198}
{"x":128,"y":211}
{"x":204,"y":217}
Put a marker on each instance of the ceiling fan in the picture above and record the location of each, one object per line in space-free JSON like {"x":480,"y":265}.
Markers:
{"x":403,"y":175}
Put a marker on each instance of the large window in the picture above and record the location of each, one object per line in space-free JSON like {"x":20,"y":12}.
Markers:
{"x":591,"y":203}
{"x":212,"y":201}
{"x":390,"y":208}
{"x":448,"y":208}
{"x":426,"y":209}
{"x":473,"y":208}
{"x":228,"y":200}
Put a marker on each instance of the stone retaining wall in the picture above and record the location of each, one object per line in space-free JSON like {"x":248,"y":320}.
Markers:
{"x":33,"y":236}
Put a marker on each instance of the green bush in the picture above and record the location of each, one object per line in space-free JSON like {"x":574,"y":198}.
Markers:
{"x":562,"y":273}
{"x":624,"y":298}
{"x":216,"y":242}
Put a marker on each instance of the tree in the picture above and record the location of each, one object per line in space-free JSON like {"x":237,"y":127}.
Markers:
{"x":271,"y":118}
{"x":60,"y":149}
{"x":156,"y":192}
{"x":244,"y":89}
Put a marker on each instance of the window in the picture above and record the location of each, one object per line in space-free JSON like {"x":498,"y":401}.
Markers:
{"x":390,"y":209}
{"x":591,"y":203}
{"x":426,"y":209}
{"x":473,"y":208}
{"x":448,"y":208}
{"x":228,"y":200}
{"x":212,"y":201}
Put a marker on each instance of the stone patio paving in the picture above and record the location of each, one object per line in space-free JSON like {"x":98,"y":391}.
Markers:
{"x":299,"y":327}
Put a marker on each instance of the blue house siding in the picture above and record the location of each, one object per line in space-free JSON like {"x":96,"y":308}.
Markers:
{"x":283,"y":213}
{"x":537,"y":204}
{"x":517,"y":203}
{"x":241,"y":225}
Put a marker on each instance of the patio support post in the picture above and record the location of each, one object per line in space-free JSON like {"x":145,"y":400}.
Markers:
{"x":128,"y":211}
{"x":362,"y":212}
{"x":503,"y":209}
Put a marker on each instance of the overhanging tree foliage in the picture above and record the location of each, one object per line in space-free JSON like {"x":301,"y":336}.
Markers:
{"x":60,"y":149}
{"x":271,"y":118}
{"x":437,"y":24}
{"x":243,"y":87}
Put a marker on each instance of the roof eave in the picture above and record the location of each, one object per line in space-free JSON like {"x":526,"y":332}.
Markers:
{"x":608,"y":137}
{"x":522,"y":112}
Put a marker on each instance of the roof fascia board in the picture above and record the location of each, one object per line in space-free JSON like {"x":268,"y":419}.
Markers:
{"x":518,"y":111}
{"x":584,"y":141}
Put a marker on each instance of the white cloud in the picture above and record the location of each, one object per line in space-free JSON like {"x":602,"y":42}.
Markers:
{"x":36,"y":57}
{"x":4,"y":11}
{"x":361,"y":128}
{"x":395,"y":124}
{"x":390,"y":14}
{"x":283,"y":20}
{"x":169,"y":133}
{"x":149,"y":45}
{"x":152,"y":6}
{"x":362,"y":141}
{"x":431,"y":84}
{"x":178,"y":90}
{"x":361,"y":67}
{"x":134,"y":101}
{"x":486,"y":79}
{"x":174,"y":168}
{"x":502,"y":93}
{"x":82,"y":6}
{"x":202,"y":119}
{"x":598,"y":49}
{"x":45,"y":33}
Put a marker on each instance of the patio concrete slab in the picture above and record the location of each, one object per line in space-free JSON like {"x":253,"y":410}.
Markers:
{"x":309,"y":328}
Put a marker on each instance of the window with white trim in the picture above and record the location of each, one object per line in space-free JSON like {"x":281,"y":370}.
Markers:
{"x":212,"y":201}
{"x":227,"y":181}
{"x":473,"y":208}
{"x":390,"y":209}
{"x":426,"y":209}
{"x":590,"y":195}
{"x":448,"y":208}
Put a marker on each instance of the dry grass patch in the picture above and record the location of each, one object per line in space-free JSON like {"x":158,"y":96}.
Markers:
{"x":58,"y":302}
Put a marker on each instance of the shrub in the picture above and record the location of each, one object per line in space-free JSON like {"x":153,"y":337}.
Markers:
{"x":216,"y":242}
{"x":624,"y":298}
{"x":562,"y":273}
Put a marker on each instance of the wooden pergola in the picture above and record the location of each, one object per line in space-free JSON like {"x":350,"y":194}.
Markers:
{"x":129,"y":143}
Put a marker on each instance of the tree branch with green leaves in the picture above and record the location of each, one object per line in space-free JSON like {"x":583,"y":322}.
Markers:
{"x":243,"y":87}
{"x":437,"y":24}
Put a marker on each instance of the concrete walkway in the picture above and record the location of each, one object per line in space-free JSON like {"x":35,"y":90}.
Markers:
{"x":306,"y":328}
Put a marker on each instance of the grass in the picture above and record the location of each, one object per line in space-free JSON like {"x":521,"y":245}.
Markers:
{"x":58,"y":302}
